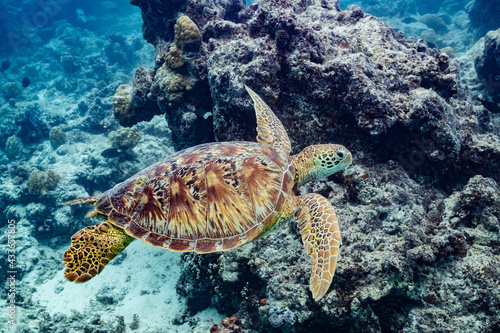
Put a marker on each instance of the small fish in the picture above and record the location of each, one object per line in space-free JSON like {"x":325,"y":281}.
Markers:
{"x":5,"y":65}
{"x":110,"y":153}
{"x":81,"y":15}
{"x":432,"y":45}
{"x":26,"y":82}
{"x":98,"y":129}
{"x":409,"y":20}
{"x":128,"y":155}
{"x":490,"y":106}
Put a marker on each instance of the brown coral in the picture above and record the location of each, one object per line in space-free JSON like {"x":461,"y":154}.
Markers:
{"x":43,"y":181}
{"x":186,"y":32}
{"x":228,"y":325}
{"x":175,"y":83}
{"x":122,"y":108}
{"x":124,"y":138}
{"x":57,"y":137}
{"x":13,"y":147}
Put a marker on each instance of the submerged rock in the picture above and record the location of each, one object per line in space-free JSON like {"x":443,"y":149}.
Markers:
{"x":5,"y":65}
{"x":10,"y":90}
{"x":483,"y":15}
{"x":487,"y":64}
{"x":26,"y":82}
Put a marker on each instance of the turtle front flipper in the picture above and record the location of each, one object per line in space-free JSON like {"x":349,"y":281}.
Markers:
{"x":320,"y":232}
{"x":270,"y":130}
{"x":91,"y":249}
{"x":90,"y":200}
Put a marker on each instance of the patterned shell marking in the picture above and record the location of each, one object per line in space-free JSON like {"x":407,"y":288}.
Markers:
{"x":207,"y":198}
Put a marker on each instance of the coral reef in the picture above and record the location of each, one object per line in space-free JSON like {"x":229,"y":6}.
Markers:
{"x":398,"y":104}
{"x":124,"y":138}
{"x":228,"y":325}
{"x":43,"y":181}
{"x":10,"y":90}
{"x":57,"y":137}
{"x":387,"y":87}
{"x":162,"y":89}
{"x":419,"y":210}
{"x":483,"y":15}
{"x":173,"y":84}
{"x":122,"y":108}
{"x":13,"y":147}
{"x":171,"y":79}
{"x":434,"y":22}
{"x":186,"y":32}
{"x":487,"y":64}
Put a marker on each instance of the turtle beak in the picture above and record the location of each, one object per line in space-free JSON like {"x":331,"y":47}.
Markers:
{"x":347,"y":160}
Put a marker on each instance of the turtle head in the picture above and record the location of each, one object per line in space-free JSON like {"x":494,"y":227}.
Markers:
{"x":320,"y":161}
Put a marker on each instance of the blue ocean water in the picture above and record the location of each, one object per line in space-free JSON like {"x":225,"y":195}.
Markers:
{"x":95,"y":91}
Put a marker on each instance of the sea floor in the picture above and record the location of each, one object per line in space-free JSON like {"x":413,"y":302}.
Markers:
{"x":138,"y":285}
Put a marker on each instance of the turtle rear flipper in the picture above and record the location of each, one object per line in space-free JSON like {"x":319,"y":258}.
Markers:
{"x":91,"y":249}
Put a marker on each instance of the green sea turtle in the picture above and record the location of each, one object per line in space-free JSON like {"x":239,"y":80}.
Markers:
{"x":215,"y":197}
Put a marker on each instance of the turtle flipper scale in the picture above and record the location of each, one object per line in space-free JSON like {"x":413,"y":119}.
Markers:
{"x":320,"y":232}
{"x":91,"y":249}
{"x":270,"y":130}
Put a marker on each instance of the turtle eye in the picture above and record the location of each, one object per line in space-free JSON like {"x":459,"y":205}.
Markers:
{"x":340,"y":154}
{"x":104,"y":227}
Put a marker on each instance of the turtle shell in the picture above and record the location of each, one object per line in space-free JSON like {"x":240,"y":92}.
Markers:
{"x":212,"y":197}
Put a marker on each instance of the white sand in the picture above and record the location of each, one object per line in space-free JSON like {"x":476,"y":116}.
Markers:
{"x":143,"y":284}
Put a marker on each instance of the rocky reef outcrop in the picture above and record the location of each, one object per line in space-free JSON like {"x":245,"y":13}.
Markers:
{"x":487,"y":63}
{"x":330,"y":75}
{"x":420,"y":208}
{"x":483,"y":15}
